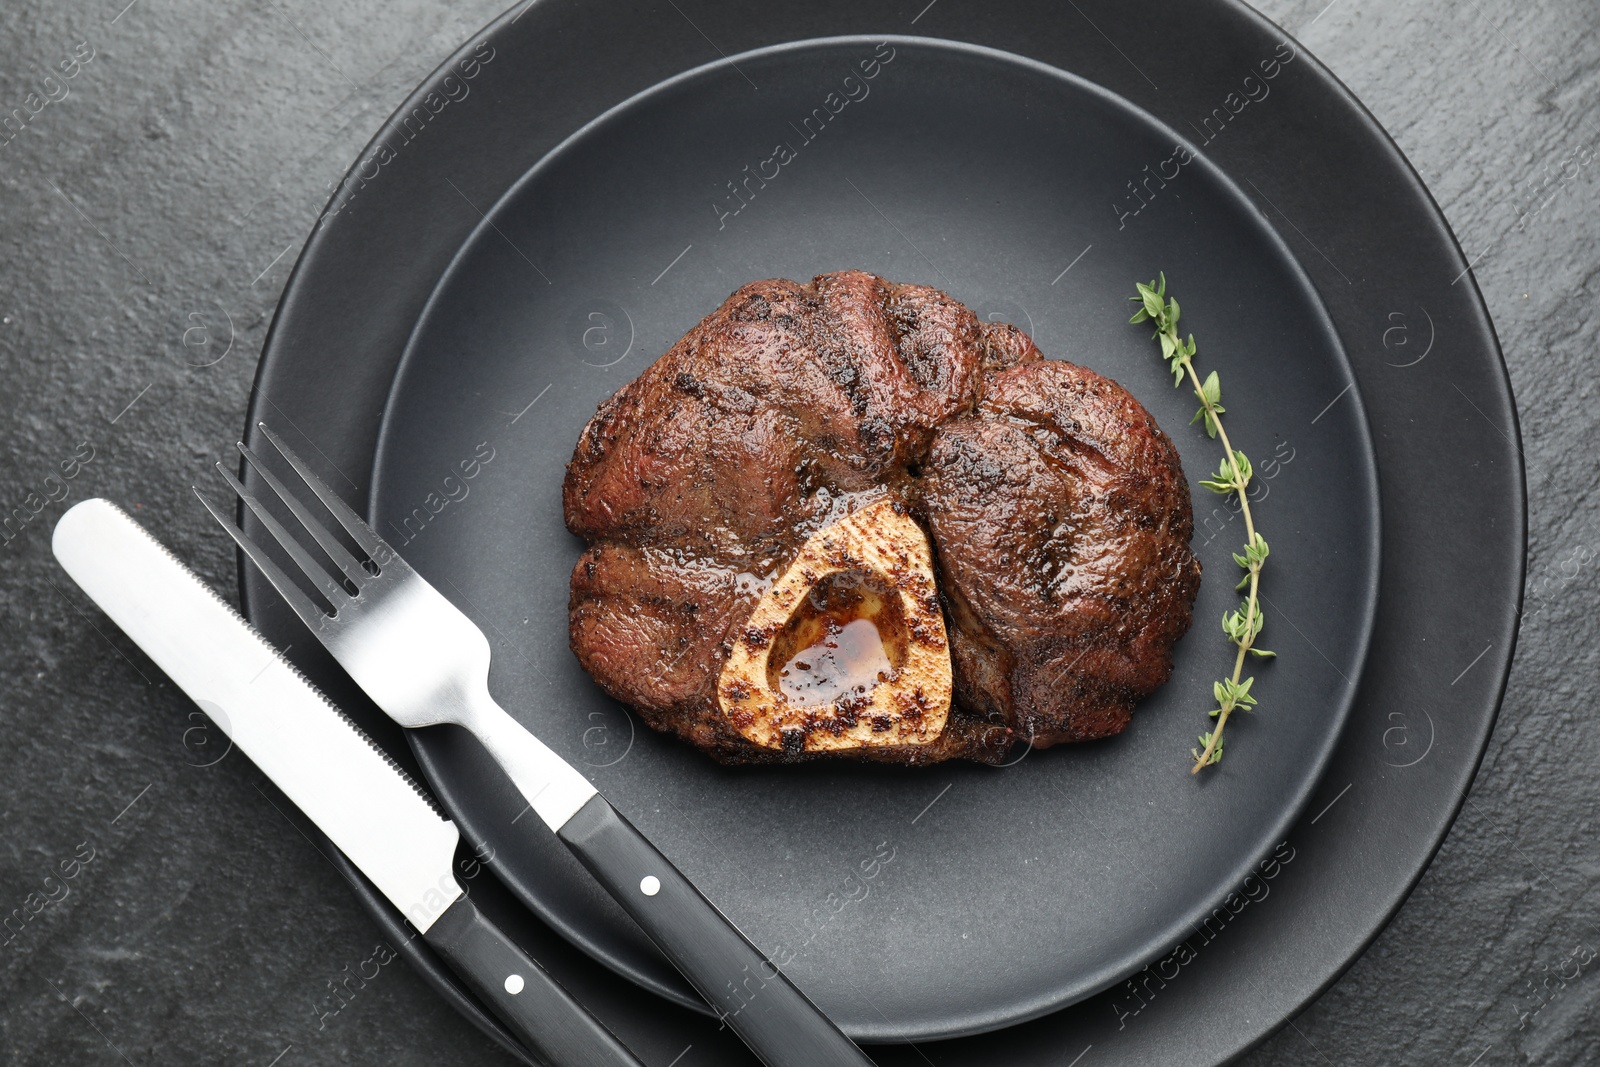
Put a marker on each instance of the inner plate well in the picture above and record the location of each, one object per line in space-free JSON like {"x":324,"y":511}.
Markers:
{"x":908,"y":904}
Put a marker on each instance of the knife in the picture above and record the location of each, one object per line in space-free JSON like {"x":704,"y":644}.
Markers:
{"x":322,"y":761}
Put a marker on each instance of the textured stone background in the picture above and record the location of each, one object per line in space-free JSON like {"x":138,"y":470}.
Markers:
{"x":147,"y":222}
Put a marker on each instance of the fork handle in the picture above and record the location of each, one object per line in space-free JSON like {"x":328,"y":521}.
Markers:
{"x":750,"y":994}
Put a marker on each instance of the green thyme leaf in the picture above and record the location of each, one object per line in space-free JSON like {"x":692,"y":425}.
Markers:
{"x":1242,"y":462}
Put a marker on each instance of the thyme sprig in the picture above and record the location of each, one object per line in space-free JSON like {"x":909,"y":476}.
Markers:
{"x":1233,"y":476}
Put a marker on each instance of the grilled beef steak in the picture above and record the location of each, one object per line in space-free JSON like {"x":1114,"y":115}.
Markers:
{"x":849,"y":519}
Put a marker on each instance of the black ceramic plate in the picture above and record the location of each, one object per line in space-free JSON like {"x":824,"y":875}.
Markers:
{"x":985,"y":897}
{"x":1356,"y":218}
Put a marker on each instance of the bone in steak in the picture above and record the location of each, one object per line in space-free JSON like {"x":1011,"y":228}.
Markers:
{"x":849,"y":519}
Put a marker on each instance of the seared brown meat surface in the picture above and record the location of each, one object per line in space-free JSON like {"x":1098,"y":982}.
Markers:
{"x":1058,"y":515}
{"x":1062,"y":522}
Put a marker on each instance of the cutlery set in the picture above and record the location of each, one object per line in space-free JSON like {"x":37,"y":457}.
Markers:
{"x":423,"y":662}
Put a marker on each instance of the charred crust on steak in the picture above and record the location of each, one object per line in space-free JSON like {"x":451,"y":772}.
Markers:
{"x":1026,"y":518}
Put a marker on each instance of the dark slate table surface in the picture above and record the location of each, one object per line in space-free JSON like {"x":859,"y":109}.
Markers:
{"x":149,"y":214}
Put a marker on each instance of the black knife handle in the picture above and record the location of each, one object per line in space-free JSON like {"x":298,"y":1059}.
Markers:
{"x":747,"y":990}
{"x":544,"y":1016}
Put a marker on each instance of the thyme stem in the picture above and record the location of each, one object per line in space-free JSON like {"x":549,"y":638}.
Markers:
{"x":1233,"y":476}
{"x":1252,"y":603}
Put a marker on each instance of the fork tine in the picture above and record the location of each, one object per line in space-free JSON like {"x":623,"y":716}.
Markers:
{"x":354,"y":524}
{"x":342,"y":559}
{"x":303,"y":606}
{"x":313,"y":570}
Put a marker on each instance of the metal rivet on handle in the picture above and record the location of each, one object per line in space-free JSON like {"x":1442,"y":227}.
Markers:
{"x":650,"y":885}
{"x":513,"y":984}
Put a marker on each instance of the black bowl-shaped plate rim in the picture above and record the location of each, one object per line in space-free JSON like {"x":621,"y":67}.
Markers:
{"x":273,"y":368}
{"x":1111,"y":971}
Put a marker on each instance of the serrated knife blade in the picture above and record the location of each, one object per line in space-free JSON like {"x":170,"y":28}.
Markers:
{"x":325,"y":764}
{"x":316,"y":756}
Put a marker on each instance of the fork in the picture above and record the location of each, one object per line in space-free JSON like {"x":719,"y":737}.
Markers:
{"x":424,"y":662}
